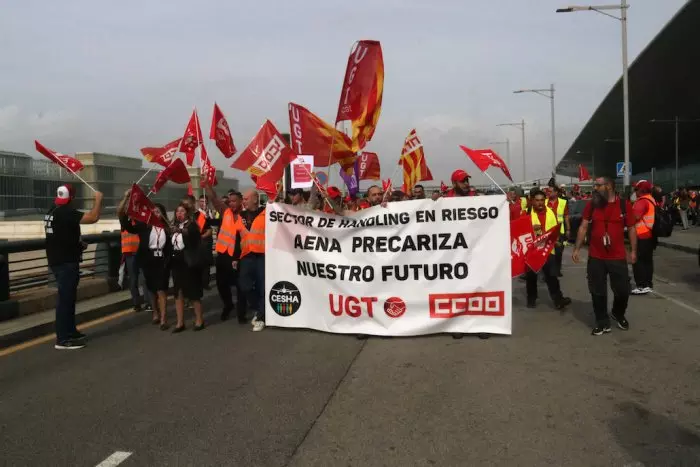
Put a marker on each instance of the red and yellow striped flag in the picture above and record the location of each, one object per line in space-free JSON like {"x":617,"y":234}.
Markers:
{"x":415,"y":169}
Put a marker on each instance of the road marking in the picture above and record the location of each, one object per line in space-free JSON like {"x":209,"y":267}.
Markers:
{"x":677,"y":302}
{"x":50,"y":337}
{"x":115,"y":459}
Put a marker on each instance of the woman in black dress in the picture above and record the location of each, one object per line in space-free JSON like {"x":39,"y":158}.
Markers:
{"x":155,"y":250}
{"x":186,"y":266}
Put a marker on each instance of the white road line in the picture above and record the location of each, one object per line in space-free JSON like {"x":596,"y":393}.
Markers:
{"x":678,"y":302}
{"x":115,"y":459}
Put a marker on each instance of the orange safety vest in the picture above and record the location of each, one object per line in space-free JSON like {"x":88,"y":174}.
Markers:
{"x":226,"y":239}
{"x":645,"y":225}
{"x":201,"y":219}
{"x":130,"y":243}
{"x":253,"y":240}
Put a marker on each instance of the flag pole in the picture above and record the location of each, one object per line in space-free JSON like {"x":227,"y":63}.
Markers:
{"x":199,"y":147}
{"x":391,"y":181}
{"x":318,"y":185}
{"x":144,"y":175}
{"x":494,"y":182}
{"x":78,"y":176}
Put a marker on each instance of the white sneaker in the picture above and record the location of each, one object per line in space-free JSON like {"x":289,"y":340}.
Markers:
{"x":647,"y":290}
{"x":639,"y":291}
{"x":258,"y":325}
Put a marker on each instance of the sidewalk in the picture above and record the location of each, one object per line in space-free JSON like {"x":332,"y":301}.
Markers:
{"x":683,"y":240}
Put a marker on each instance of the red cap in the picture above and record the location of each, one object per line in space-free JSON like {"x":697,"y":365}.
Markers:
{"x":643,"y":185}
{"x":64,"y":194}
{"x":333,"y":192}
{"x":459,"y":175}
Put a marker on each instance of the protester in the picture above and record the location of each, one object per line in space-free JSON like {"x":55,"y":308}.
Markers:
{"x":460,"y":184}
{"x":644,"y":212}
{"x":606,"y":216}
{"x":561,"y":209}
{"x":514,"y":206}
{"x":186,"y":265}
{"x":252,"y":264}
{"x":64,"y":250}
{"x":130,"y":248}
{"x":543,"y":219}
{"x":155,"y":250}
{"x":684,"y":206}
{"x":202,"y":218}
{"x":374,"y":195}
{"x":436,"y":195}
{"x":418,"y":192}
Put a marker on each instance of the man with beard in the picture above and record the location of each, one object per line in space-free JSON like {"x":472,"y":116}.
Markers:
{"x":374,"y":195}
{"x":460,"y":185}
{"x":604,"y":219}
{"x":418,"y":192}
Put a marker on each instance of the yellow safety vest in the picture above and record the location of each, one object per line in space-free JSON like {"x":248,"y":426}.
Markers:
{"x":561,"y":207}
{"x":523,"y":203}
{"x":550,"y":220}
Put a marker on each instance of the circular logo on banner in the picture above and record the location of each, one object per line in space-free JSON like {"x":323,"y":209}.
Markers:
{"x":285,"y":298}
{"x":394,"y":307}
{"x":322,"y":178}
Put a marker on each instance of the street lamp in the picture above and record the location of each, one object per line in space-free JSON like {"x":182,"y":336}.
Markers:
{"x":520,"y":125}
{"x":625,"y":85}
{"x":549,"y":94}
{"x":676,"y":121}
{"x":507,"y":143}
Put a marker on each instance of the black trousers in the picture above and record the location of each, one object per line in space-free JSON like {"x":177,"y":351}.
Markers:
{"x":549,"y":270}
{"x":643,"y":269}
{"x":559,"y":256}
{"x":598,"y":271}
{"x":227,"y":277}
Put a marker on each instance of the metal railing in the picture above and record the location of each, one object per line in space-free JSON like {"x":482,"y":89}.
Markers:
{"x":23,"y":263}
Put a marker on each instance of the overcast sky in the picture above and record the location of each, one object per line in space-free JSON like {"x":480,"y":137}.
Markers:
{"x":91,"y":75}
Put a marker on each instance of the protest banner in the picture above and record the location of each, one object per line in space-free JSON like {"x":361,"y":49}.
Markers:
{"x":301,"y":168}
{"x":412,"y":268}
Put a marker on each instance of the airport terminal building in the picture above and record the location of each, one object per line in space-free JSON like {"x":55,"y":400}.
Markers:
{"x":664,"y":95}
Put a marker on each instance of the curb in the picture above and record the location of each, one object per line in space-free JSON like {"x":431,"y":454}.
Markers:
{"x":683,"y":248}
{"x":44,"y":329}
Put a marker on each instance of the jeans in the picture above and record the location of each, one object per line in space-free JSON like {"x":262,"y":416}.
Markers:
{"x":684,"y":218}
{"x":67,"y":277}
{"x":133,"y":269}
{"x":227,"y":277}
{"x":643,"y":269}
{"x":598,"y":271}
{"x":251,"y":279}
{"x":550,"y":276}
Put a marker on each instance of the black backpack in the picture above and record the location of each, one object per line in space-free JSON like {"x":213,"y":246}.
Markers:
{"x":663,"y":222}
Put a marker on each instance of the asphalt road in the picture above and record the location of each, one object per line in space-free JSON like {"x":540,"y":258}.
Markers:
{"x":551,"y":394}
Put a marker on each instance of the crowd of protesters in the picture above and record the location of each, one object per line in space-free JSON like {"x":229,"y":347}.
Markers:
{"x":176,"y":255}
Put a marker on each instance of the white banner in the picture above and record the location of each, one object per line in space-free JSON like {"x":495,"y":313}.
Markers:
{"x":301,"y":168}
{"x":414,"y":267}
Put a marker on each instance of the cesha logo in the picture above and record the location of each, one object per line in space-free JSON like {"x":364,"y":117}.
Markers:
{"x":285,"y":298}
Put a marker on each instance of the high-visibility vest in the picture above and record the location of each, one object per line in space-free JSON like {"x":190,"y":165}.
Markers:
{"x":226,"y":239}
{"x":253,"y":240}
{"x":523,"y":203}
{"x":550,"y":220}
{"x":201,"y":220}
{"x":561,"y":208}
{"x":645,"y":225}
{"x":130,"y":243}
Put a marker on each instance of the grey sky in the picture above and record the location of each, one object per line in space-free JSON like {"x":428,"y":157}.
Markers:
{"x":87,"y":75}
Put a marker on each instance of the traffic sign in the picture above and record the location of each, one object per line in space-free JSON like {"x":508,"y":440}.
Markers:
{"x":620,"y":169}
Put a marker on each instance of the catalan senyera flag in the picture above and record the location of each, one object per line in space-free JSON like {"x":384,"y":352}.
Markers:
{"x":415,"y":168}
{"x":311,"y":136}
{"x":361,"y":95}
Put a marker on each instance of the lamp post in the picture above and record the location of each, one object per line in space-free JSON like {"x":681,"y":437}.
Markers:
{"x":549,"y":94}
{"x":625,"y":84}
{"x":507,"y":143}
{"x":676,"y":121}
{"x":520,"y":125}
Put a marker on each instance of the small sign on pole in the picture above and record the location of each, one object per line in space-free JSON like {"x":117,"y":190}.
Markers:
{"x":620,"y":169}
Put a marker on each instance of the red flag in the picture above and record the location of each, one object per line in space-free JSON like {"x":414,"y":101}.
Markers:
{"x":542,"y":247}
{"x":443,"y":187}
{"x":208,"y":172}
{"x":68,"y":162}
{"x":221,"y":133}
{"x":266,"y":156}
{"x":369,"y":166}
{"x":265,"y":185}
{"x":176,"y":172}
{"x":521,"y":238}
{"x":415,"y":168}
{"x":386,"y":185}
{"x":361,"y":96}
{"x":485,"y":158}
{"x":192,"y":138}
{"x":190,"y":191}
{"x":583,"y":174}
{"x":162,"y":156}
{"x":311,"y":136}
{"x":141,"y":208}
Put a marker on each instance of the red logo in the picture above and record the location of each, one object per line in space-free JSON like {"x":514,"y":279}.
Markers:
{"x":351,"y":306}
{"x":394,"y":307}
{"x":452,"y":305}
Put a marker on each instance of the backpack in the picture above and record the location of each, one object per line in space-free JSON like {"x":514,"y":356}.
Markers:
{"x":663,"y":222}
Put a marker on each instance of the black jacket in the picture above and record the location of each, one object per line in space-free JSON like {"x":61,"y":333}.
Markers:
{"x":144,"y":233}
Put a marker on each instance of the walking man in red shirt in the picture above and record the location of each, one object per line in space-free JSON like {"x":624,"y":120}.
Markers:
{"x":604,"y":220}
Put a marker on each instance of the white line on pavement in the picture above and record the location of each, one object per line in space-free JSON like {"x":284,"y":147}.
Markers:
{"x":678,"y":302}
{"x":115,"y":459}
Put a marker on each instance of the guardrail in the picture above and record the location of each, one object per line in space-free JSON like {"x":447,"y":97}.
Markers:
{"x":23,"y":263}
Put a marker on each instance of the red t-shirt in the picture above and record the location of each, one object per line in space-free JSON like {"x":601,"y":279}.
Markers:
{"x":542,"y":216}
{"x":611,"y":215}
{"x":515,"y":210}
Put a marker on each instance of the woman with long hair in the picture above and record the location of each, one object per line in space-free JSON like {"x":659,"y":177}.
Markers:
{"x":186,"y":265}
{"x":155,"y":250}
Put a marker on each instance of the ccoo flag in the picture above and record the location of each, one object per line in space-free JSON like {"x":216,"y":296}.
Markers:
{"x":361,"y":95}
{"x":163,"y":155}
{"x":221,"y":133}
